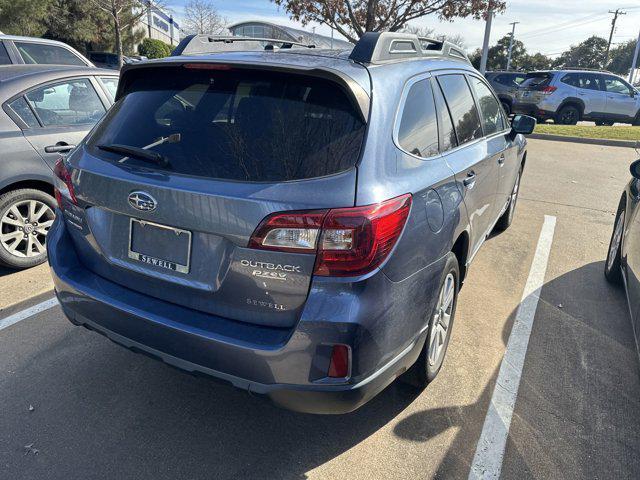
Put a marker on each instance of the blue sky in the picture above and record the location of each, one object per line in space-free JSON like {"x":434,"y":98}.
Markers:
{"x":547,"y":26}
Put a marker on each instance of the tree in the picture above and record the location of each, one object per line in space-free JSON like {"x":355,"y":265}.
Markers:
{"x":23,"y":17}
{"x":621,"y":58}
{"x":152,"y":48}
{"x":588,"y":54}
{"x":520,"y":59}
{"x":352,"y":18}
{"x":124,"y":14}
{"x":200,"y":16}
{"x":497,"y":56}
{"x":429,"y":32}
{"x":537,"y":61}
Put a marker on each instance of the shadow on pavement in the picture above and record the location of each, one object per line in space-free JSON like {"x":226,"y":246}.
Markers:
{"x":578,"y":409}
{"x":103,"y":412}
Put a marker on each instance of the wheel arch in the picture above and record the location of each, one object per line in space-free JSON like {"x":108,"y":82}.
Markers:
{"x":573,"y":101}
{"x":460,"y":249}
{"x":41,"y":185}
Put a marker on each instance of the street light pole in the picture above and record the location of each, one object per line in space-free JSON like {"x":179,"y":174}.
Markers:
{"x":513,"y":34}
{"x":485,"y":43}
{"x":634,"y":62}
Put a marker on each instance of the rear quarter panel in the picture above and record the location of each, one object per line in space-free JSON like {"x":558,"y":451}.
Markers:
{"x":19,"y":161}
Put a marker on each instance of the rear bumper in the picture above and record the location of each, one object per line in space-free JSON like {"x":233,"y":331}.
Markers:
{"x":284,"y":365}
{"x":533,"y":110}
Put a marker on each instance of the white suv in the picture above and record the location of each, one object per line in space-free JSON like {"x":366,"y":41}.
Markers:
{"x":568,"y":96}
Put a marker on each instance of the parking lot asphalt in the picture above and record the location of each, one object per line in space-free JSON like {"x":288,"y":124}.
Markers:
{"x":73,"y":405}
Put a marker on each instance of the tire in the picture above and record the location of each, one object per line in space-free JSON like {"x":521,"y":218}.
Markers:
{"x":506,"y":219}
{"x":613,"y":264}
{"x":568,"y":115}
{"x":25,"y":218}
{"x":506,"y":107}
{"x":636,"y":122}
{"x":427,"y":366}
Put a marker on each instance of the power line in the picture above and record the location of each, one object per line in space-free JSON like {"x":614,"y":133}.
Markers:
{"x":560,"y":26}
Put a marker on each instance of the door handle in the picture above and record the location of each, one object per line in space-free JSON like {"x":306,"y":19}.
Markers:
{"x":58,"y":148}
{"x":501,"y":160}
{"x":470,"y":181}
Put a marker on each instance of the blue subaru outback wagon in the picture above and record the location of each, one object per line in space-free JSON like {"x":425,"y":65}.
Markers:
{"x":293,"y":221}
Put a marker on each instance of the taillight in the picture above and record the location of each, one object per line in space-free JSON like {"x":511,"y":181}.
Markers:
{"x":348,"y":241}
{"x":289,"y":231}
{"x":547,"y":90}
{"x":63,"y":187}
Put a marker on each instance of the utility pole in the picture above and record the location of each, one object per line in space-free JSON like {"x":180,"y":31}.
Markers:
{"x":634,"y":62}
{"x":485,"y":43}
{"x":613,"y":28}
{"x":513,"y":34}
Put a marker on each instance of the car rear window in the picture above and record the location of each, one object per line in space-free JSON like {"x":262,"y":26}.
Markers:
{"x":537,"y":79}
{"x":235,"y":124}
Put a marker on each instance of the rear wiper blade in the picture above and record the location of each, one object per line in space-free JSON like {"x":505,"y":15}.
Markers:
{"x":136,"y":152}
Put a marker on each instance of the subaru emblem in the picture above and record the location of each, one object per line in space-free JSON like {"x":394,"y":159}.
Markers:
{"x":142,"y":201}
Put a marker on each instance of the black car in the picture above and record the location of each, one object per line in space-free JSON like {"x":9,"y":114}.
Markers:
{"x":46,"y":110}
{"x":623,"y":259}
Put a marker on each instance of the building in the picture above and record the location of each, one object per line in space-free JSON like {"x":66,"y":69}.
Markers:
{"x":161,"y":26}
{"x":259,"y":29}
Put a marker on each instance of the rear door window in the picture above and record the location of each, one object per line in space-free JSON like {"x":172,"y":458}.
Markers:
{"x":492,"y":120}
{"x":41,"y":53}
{"x":22,"y":109}
{"x":418,"y":130}
{"x":234,"y":124}
{"x":110,"y":84}
{"x":462,"y":107}
{"x":73,"y":102}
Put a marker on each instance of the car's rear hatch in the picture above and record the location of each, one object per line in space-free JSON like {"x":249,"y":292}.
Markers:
{"x":240,"y":144}
{"x":535,"y":87}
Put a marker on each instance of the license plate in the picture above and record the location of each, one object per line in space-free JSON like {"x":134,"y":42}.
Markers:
{"x":159,"y":245}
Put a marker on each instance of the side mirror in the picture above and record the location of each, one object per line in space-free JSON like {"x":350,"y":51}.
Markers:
{"x":634,"y":168}
{"x":523,"y":124}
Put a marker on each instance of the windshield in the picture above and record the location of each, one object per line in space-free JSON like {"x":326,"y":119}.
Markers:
{"x":236,"y":125}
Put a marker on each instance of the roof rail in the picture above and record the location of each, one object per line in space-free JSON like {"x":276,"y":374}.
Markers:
{"x":194,"y":44}
{"x":383,"y":47}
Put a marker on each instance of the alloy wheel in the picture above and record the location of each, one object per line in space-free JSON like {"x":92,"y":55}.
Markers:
{"x":442,"y":320}
{"x":24,"y":228}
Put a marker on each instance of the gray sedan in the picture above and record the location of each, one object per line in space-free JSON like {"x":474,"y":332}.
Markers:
{"x":46,"y":110}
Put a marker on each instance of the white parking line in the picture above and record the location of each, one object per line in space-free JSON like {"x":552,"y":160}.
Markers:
{"x":487,"y":462}
{"x":28,"y":312}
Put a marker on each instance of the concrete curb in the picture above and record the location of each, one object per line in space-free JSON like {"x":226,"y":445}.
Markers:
{"x":590,"y":141}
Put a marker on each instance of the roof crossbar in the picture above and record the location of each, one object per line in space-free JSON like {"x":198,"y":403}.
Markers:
{"x":193,"y":44}
{"x":384,"y":47}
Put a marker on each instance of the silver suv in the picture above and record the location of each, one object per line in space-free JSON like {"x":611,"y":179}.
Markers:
{"x":568,"y":96}
{"x":506,"y":86}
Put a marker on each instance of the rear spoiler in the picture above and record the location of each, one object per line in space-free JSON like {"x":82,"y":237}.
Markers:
{"x":199,"y":44}
{"x":358,"y":95}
